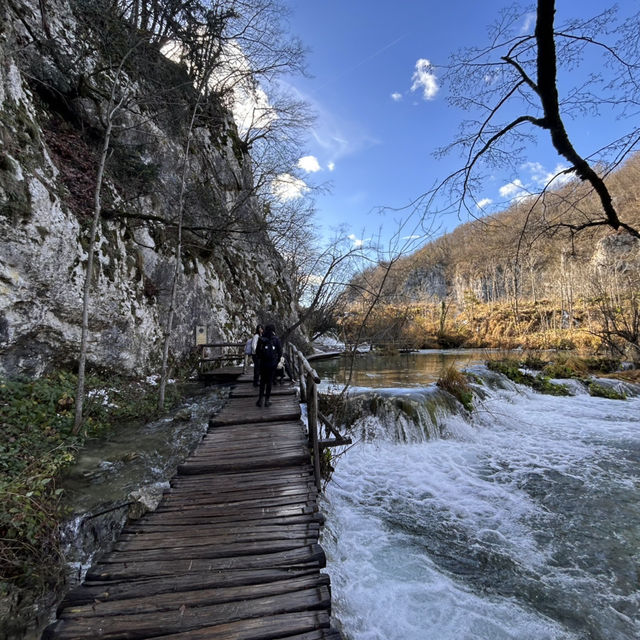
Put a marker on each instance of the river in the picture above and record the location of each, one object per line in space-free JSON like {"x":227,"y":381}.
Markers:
{"x":519,"y":520}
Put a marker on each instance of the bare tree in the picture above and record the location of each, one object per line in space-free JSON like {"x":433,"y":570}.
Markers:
{"x":511,"y":89}
{"x":119,"y":95}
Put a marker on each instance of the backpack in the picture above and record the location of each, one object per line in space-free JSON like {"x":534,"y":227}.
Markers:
{"x":267,"y":351}
{"x":247,"y":347}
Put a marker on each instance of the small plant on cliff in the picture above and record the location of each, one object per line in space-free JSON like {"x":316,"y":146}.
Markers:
{"x":455,"y":382}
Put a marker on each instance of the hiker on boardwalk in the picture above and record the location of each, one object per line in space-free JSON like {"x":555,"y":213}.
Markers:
{"x":269,"y":352}
{"x":254,"y":355}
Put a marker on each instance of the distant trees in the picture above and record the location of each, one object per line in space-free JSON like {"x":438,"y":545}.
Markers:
{"x":511,"y":89}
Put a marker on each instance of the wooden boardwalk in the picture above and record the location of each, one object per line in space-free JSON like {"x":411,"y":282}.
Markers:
{"x":231,"y":552}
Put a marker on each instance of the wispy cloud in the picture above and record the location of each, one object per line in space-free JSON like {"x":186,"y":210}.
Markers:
{"x":485,"y":202}
{"x":286,"y":187}
{"x":514,"y":190}
{"x":529,"y":20}
{"x":396,"y":97}
{"x":331,"y":166}
{"x":357,"y":242}
{"x":543,"y":178}
{"x":425,"y":79}
{"x":309,"y":164}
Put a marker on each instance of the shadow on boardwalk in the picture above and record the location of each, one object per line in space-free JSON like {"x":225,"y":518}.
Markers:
{"x":231,"y":552}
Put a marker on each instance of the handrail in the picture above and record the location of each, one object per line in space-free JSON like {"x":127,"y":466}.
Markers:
{"x":309,"y":380}
{"x":233,"y":356}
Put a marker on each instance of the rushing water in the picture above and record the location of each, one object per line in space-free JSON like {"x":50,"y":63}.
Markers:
{"x":518,"y":521}
{"x":125,"y":472}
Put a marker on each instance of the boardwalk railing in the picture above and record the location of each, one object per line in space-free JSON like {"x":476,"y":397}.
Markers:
{"x":309,"y":380}
{"x":215,"y":355}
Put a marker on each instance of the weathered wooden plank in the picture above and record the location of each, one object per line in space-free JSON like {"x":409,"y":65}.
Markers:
{"x":204,"y":550}
{"x":296,"y":557}
{"x":248,"y":476}
{"x":260,"y":514}
{"x":92,"y":590}
{"x":196,"y":598}
{"x":264,"y":462}
{"x":281,"y":410}
{"x":220,"y":532}
{"x":194,"y":496}
{"x":267,"y":628}
{"x":148,"y":543}
{"x":155,"y":524}
{"x":237,"y":505}
{"x":240,"y":453}
{"x":182,"y":618}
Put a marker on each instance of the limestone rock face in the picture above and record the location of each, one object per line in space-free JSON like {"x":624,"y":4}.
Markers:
{"x":619,"y":252}
{"x":52,"y":109}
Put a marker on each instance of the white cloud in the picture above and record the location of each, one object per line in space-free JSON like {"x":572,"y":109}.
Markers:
{"x":331,"y":166}
{"x":287,"y":187}
{"x":309,"y":164}
{"x":481,"y":204}
{"x":529,"y":20}
{"x":543,"y":178}
{"x":425,"y":79}
{"x":515,"y":190}
{"x":396,"y":97}
{"x":357,"y":242}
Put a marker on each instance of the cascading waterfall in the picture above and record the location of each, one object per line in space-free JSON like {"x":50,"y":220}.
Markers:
{"x":519,"y":520}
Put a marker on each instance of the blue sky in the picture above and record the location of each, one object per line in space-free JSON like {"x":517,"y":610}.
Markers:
{"x":379,"y":119}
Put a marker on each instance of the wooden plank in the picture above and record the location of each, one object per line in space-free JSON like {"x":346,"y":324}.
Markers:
{"x":267,"y":628}
{"x":195,"y":495}
{"x":182,"y":618}
{"x":196,"y":598}
{"x":230,"y":506}
{"x":156,"y":524}
{"x":264,"y":462}
{"x":312,"y":554}
{"x":92,"y":590}
{"x":184,"y":539}
{"x":206,"y":550}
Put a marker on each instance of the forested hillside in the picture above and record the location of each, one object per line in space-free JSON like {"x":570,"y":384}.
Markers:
{"x":521,"y":277}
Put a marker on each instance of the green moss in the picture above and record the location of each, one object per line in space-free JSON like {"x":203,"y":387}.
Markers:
{"x":37,"y":444}
{"x":542,"y":384}
{"x":559,"y":370}
{"x":601,"y":391}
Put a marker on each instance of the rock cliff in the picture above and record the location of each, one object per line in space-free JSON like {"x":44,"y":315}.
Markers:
{"x":54,"y":89}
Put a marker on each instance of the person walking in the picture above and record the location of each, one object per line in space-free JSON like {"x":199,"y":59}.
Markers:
{"x":269,"y":351}
{"x":254,"y":355}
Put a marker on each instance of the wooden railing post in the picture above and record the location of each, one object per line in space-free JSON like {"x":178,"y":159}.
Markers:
{"x":312,"y":420}
{"x":303,"y":384}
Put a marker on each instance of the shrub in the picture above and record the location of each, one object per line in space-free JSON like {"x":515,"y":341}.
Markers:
{"x":455,"y":382}
{"x":36,"y":419}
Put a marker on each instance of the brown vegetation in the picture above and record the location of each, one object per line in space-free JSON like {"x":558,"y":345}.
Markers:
{"x":512,"y":280}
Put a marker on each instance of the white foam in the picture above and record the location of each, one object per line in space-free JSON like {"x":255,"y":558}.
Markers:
{"x":395,"y":512}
